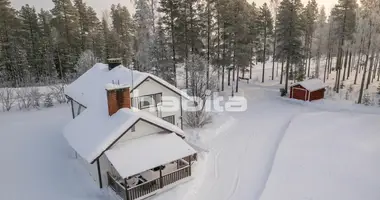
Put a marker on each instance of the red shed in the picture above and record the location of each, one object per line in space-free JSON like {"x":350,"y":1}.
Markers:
{"x":308,"y":90}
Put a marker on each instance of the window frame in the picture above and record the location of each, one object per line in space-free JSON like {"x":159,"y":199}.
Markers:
{"x":169,"y":117}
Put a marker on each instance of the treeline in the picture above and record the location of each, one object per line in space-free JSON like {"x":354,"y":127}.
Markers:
{"x":228,"y":35}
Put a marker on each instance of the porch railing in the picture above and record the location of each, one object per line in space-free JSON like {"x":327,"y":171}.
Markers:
{"x":116,"y":186}
{"x":176,"y":176}
{"x":143,"y":189}
{"x":150,"y":186}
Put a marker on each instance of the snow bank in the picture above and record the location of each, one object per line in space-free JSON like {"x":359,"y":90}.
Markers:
{"x":327,"y":156}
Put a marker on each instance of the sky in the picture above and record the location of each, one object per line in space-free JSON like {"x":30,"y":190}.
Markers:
{"x":101,"y":5}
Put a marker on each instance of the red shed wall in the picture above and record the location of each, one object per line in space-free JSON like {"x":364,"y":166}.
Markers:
{"x":298,"y":92}
{"x":316,"y":95}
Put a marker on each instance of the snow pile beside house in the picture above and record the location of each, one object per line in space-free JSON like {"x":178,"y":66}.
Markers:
{"x":327,"y":156}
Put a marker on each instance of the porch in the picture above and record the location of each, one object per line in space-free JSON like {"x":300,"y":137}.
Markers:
{"x":150,"y":182}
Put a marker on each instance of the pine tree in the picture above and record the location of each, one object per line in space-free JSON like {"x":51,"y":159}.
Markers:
{"x":12,"y":55}
{"x":344,"y":16}
{"x":310,"y":17}
{"x":143,"y":20}
{"x":67,"y":37}
{"x":289,"y":31}
{"x":170,"y":12}
{"x":122,"y":27}
{"x":31,"y":37}
{"x":320,"y":36}
{"x":265,"y":24}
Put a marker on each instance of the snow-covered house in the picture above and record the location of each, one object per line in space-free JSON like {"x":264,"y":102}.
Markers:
{"x":147,"y":91}
{"x":135,"y":152}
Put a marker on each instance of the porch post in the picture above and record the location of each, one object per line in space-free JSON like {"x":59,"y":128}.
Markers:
{"x":99,"y":174}
{"x":72,"y":108}
{"x":161,"y":181}
{"x":180,"y":104}
{"x":189,"y":165}
{"x":126,"y":189}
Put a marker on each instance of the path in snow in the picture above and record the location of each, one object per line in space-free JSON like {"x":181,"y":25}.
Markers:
{"x":241,"y":158}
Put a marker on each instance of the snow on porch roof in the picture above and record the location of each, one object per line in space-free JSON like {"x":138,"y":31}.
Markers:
{"x":311,"y":84}
{"x":93,"y":131}
{"x":89,"y":87}
{"x":145,"y":153}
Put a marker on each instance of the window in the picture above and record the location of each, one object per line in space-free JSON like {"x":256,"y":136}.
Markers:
{"x":149,"y":101}
{"x":133,"y":128}
{"x":170,"y":119}
{"x":146,"y":102}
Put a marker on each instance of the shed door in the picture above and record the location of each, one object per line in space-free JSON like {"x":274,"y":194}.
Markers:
{"x":299,"y":93}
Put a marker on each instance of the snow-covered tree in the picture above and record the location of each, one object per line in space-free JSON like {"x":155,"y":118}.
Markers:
{"x":86,"y":60}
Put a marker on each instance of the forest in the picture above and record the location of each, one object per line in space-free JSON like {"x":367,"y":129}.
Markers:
{"x":210,"y":38}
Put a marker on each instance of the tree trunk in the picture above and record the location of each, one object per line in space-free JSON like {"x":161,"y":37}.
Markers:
{"x":208,"y":43}
{"x":223,"y":78}
{"x":325,"y":72}
{"x":229,"y":77}
{"x":308,"y":68}
{"x":370,"y":69}
{"x":264,"y":56}
{"x":173,"y":47}
{"x":349,"y":65}
{"x":274,"y":53}
{"x":375,"y":67}
{"x":345,"y":66}
{"x":365,"y":64}
{"x":287,"y":73}
{"x":237,"y":79}
{"x":282,"y":70}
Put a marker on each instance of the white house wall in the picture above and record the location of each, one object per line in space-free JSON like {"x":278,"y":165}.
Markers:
{"x":105,"y":166}
{"x":149,"y":87}
{"x":141,"y":129}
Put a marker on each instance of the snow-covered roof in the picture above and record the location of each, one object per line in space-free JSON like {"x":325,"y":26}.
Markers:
{"x":93,"y":131}
{"x":311,"y":84}
{"x":144,"y":153}
{"x":90,"y":87}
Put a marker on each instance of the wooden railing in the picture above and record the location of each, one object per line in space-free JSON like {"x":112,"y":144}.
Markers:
{"x":150,"y":186}
{"x":176,"y":176}
{"x":143,"y":189}
{"x":116,"y":186}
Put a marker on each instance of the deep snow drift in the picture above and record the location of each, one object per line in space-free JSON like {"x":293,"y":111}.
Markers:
{"x":329,"y":156}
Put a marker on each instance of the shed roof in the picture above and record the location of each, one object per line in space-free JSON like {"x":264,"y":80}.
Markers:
{"x":93,"y":131}
{"x":145,"y":153}
{"x":90,"y":87}
{"x":311,"y":84}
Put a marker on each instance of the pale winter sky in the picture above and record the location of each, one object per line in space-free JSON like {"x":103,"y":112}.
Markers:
{"x":101,"y":5}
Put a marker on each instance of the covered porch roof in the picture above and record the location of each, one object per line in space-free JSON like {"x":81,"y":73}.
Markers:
{"x":138,"y":155}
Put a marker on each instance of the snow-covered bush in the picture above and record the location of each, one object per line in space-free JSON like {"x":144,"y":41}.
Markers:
{"x":366,"y":99}
{"x":350,"y":89}
{"x":7,"y":98}
{"x":35,"y":96}
{"x":23,"y":98}
{"x":58,"y":93}
{"x":197,"y":119}
{"x":48,"y":102}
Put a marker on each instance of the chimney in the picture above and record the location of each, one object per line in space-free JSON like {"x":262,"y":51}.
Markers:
{"x":113,"y":62}
{"x":118,"y":97}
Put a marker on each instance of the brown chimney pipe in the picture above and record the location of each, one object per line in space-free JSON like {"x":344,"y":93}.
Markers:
{"x":118,"y":97}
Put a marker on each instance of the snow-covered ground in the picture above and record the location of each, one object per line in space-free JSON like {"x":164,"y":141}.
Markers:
{"x":36,"y":161}
{"x":277,"y":149}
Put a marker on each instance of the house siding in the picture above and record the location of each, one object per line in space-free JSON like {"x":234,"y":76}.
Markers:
{"x":141,"y":129}
{"x":149,"y":87}
{"x":92,"y":169}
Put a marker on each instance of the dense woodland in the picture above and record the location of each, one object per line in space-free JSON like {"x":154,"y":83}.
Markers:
{"x":211,"y":38}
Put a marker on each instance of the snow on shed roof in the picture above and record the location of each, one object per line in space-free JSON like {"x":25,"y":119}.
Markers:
{"x":89,"y":87}
{"x":145,"y":153}
{"x":311,"y":84}
{"x":93,"y":131}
